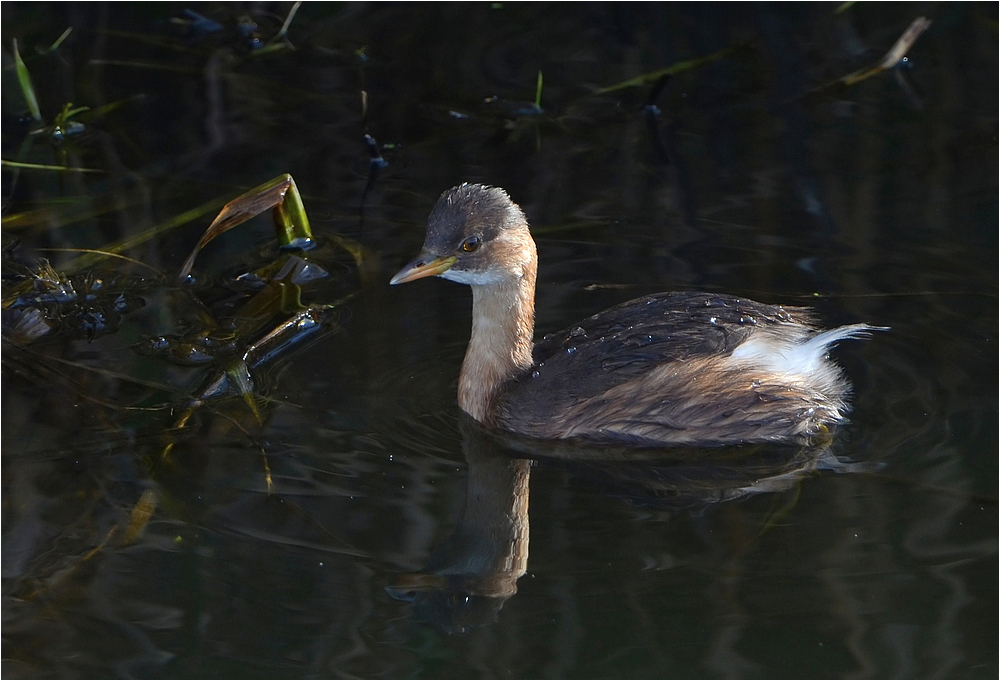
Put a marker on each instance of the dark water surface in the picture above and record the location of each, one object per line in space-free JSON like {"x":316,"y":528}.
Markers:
{"x":392,"y":536}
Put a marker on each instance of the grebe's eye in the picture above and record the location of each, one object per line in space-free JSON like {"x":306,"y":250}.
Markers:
{"x":471,"y":244}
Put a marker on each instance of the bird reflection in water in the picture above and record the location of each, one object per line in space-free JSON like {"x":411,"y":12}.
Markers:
{"x":470,"y":576}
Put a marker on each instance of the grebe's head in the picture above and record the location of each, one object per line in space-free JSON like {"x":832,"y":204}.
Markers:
{"x":475,"y":235}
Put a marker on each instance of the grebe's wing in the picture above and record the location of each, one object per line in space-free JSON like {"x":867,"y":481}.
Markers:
{"x":627,"y":341}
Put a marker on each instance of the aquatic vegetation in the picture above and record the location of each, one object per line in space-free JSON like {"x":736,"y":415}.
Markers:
{"x":44,"y":301}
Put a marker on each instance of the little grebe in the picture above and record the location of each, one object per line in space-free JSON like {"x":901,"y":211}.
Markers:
{"x":695,"y":369}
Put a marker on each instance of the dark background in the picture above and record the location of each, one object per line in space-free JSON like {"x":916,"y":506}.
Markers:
{"x":757,"y":174}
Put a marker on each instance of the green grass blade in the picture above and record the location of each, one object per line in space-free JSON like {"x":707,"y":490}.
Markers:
{"x":59,"y":41}
{"x":90,"y":259}
{"x":40,"y":166}
{"x":295,"y":222}
{"x":679,"y":67}
{"x":242,"y":383}
{"x":141,"y":64}
{"x":27,"y":88}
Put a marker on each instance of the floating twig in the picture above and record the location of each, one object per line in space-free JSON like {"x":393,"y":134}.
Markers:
{"x":288,"y":21}
{"x":892,"y":58}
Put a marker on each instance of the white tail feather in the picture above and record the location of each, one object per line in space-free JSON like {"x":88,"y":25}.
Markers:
{"x":774,"y":352}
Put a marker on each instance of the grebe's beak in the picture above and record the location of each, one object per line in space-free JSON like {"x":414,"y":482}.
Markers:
{"x":424,"y":265}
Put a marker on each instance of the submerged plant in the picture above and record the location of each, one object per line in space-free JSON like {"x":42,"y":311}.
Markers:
{"x":44,"y":301}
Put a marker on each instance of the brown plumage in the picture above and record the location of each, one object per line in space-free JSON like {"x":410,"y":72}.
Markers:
{"x":668,"y":369}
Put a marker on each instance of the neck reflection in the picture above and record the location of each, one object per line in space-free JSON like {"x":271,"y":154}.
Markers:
{"x":470,"y":576}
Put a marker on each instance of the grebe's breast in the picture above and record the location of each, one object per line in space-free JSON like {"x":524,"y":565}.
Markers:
{"x":685,"y":369}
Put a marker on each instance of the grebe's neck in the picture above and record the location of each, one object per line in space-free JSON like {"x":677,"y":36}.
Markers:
{"x":503,"y":326}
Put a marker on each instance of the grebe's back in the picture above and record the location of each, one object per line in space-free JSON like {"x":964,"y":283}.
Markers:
{"x":682,"y":369}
